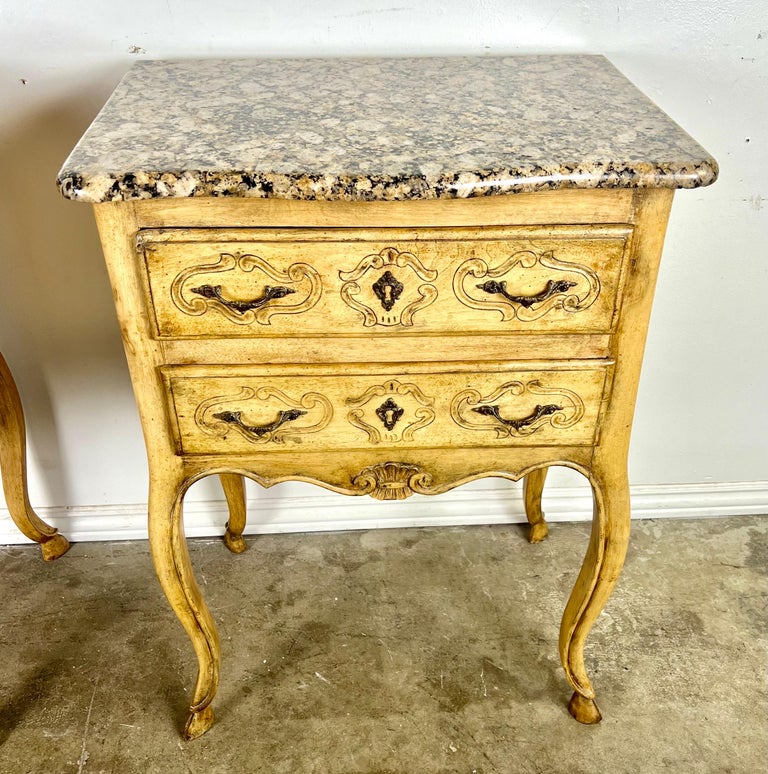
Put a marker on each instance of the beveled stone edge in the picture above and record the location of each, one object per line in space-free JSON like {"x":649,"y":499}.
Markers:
{"x":141,"y":185}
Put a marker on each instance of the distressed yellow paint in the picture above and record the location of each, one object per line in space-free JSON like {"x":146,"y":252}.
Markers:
{"x":181,"y":361}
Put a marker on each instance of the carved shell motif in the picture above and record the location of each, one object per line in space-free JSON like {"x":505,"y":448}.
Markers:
{"x":392,"y":481}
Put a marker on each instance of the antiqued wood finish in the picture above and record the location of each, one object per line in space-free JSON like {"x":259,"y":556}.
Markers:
{"x":13,"y":465}
{"x":533,"y":486}
{"x":223,"y":283}
{"x":457,"y":291}
{"x":234,"y":491}
{"x":387,"y":424}
{"x":237,"y":410}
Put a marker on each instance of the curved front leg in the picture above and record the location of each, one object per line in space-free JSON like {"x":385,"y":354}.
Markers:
{"x":533,"y":486}
{"x":172,"y":565}
{"x":599,"y":573}
{"x":234,"y":491}
{"x":13,"y":464}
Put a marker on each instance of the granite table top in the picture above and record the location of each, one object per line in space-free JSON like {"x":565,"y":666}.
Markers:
{"x":378,"y":129}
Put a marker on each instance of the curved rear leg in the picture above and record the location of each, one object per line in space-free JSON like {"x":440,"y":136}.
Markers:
{"x":533,"y":486}
{"x":172,"y":565}
{"x":234,"y":491}
{"x":13,"y":464}
{"x":597,"y":578}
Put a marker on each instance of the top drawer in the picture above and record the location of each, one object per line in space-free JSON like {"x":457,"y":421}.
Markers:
{"x":299,"y":282}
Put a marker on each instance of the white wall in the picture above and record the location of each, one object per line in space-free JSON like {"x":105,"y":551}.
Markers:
{"x":702,"y":415}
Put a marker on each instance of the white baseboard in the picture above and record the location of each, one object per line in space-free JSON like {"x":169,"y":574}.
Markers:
{"x":471,"y":505}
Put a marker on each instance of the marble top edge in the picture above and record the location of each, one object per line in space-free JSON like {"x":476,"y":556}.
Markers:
{"x":378,"y":129}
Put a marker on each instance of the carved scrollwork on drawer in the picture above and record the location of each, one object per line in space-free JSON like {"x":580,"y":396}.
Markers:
{"x":258,"y":301}
{"x":388,"y":287}
{"x":264,"y":415}
{"x":526,"y":286}
{"x":391,"y":412}
{"x":517,"y":409}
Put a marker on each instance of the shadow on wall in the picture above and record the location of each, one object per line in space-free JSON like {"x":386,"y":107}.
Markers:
{"x":56,"y":312}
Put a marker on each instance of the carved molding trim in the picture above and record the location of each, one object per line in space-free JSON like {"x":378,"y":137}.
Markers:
{"x":392,"y":481}
{"x":366,"y":408}
{"x":384,"y":297}
{"x":471,"y":410}
{"x":555,"y":292}
{"x":309,"y":405}
{"x":300,"y":280}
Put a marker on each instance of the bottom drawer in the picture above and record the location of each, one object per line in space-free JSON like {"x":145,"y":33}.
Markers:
{"x":240,"y":410}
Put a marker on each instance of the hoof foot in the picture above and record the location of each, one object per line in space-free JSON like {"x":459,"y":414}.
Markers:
{"x":54,"y":547}
{"x":198,"y":723}
{"x":538,"y":532}
{"x":584,"y":710}
{"x":235,"y":543}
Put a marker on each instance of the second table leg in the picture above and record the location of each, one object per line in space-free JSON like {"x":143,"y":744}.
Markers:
{"x":13,"y":464}
{"x":533,"y":486}
{"x":234,"y":491}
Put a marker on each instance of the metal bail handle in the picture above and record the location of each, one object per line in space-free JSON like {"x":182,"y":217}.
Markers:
{"x":519,"y":424}
{"x":233,"y":418}
{"x":552,"y":288}
{"x":270,"y":293}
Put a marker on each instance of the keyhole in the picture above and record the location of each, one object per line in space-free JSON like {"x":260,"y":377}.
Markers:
{"x":387,"y":289}
{"x":389,"y":413}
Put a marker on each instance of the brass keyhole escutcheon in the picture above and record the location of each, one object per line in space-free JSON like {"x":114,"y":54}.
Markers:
{"x":389,"y":413}
{"x":387,"y":289}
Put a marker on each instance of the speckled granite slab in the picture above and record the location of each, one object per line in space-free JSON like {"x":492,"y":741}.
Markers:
{"x":378,"y":129}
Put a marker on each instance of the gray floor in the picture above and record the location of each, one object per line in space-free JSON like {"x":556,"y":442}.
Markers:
{"x":417,"y":651}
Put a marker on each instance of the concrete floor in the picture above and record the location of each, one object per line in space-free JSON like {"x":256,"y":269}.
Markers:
{"x":418,"y":651}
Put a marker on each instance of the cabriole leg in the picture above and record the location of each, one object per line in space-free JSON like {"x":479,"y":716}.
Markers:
{"x":13,"y":464}
{"x":599,"y":573}
{"x":234,"y":491}
{"x":172,"y":565}
{"x":533,"y":486}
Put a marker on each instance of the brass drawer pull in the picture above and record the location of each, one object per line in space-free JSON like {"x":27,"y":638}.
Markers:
{"x":270,"y":293}
{"x":553,"y":288}
{"x":233,"y":418}
{"x":518,"y":424}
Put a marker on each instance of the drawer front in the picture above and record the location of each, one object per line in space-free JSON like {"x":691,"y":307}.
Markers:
{"x":233,"y":410}
{"x":291,"y":282}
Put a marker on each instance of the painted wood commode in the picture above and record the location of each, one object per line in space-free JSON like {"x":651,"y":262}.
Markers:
{"x":384,"y":277}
